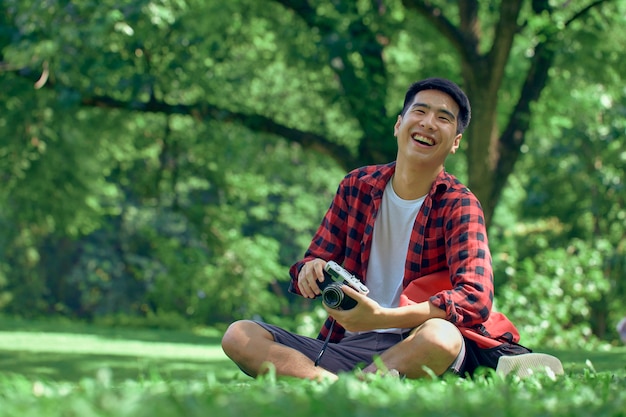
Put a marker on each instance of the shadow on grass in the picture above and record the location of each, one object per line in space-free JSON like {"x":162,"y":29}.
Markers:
{"x":70,"y":351}
{"x":53,"y":366}
{"x":66,"y":351}
{"x":72,"y":367}
{"x":206,"y":336}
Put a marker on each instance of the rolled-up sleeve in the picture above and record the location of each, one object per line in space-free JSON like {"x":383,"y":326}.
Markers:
{"x":470,"y":300}
{"x":329,"y":240}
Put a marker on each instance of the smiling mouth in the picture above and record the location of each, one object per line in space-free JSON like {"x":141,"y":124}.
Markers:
{"x":422,"y":139}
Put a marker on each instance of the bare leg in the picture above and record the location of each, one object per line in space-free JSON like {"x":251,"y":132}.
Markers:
{"x":252,"y":347}
{"x":435,"y":344}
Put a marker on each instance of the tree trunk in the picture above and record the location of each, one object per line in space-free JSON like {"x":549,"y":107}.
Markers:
{"x":481,"y":139}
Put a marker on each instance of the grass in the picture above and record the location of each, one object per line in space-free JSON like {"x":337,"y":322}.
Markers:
{"x":69,"y":352}
{"x":69,"y":369}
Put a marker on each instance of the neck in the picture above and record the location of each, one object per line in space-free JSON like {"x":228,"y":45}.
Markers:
{"x":411,"y":183}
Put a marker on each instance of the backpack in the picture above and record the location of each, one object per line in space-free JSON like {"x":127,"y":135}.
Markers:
{"x":492,"y":333}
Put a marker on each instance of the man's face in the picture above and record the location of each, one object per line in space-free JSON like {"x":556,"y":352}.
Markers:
{"x":427,"y":130}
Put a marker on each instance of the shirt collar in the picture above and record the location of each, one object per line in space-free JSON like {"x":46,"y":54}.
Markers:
{"x":379,"y":178}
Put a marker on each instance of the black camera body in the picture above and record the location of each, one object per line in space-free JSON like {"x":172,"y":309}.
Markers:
{"x":332,"y":295}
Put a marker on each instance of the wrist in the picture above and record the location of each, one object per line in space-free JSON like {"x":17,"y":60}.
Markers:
{"x":382,"y":318}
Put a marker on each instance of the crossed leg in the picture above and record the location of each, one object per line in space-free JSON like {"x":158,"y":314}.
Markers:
{"x":252,"y":347}
{"x":435,"y":344}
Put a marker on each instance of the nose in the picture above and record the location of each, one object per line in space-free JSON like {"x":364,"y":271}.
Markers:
{"x":428,"y":120}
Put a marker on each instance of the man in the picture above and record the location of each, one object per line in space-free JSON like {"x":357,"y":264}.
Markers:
{"x":391,"y":225}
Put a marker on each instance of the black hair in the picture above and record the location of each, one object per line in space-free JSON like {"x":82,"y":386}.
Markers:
{"x":448,"y":87}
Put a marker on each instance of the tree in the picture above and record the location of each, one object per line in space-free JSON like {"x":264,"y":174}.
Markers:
{"x":143,"y":139}
{"x":351,"y":44}
{"x":483,"y":40}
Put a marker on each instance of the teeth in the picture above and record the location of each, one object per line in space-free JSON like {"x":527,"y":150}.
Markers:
{"x":423,"y":139}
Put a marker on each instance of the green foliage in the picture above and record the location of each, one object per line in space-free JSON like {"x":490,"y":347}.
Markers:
{"x":168,"y":160}
{"x":155,"y":214}
{"x":591,"y":394}
{"x":561,"y":267}
{"x":550,"y":294}
{"x":141,"y":243}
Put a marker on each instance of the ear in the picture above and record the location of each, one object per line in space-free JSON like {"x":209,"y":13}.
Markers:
{"x":396,"y":127}
{"x":456,"y":143}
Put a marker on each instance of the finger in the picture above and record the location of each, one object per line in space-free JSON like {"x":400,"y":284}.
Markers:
{"x":304,"y":282}
{"x":311,"y":283}
{"x":330,"y":311}
{"x":351,"y":292}
{"x":310,"y":292}
{"x":305,"y":289}
{"x":318,"y":270}
{"x":314,"y":273}
{"x":310,"y":287}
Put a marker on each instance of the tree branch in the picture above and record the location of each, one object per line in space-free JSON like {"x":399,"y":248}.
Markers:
{"x":513,"y":136}
{"x":369,"y":80}
{"x":444,"y":26}
{"x":470,"y":25}
{"x":536,"y":79}
{"x":584,"y":11}
{"x":204,"y":111}
{"x":503,"y":40}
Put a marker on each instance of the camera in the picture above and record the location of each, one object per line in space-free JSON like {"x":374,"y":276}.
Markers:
{"x":334,"y":277}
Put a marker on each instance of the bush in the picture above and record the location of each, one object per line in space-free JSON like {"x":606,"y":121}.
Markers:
{"x":552,"y":293}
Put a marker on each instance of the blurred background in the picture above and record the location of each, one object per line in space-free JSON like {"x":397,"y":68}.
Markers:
{"x":164,"y":162}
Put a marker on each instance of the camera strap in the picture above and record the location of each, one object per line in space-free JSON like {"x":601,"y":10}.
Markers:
{"x":330,"y":331}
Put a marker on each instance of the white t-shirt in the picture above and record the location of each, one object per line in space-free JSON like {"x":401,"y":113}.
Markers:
{"x":390,"y":243}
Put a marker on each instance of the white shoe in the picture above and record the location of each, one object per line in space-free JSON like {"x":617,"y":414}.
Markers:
{"x":529,"y":364}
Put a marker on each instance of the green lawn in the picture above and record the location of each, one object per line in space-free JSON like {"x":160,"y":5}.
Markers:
{"x":68,"y":369}
{"x":70,"y":352}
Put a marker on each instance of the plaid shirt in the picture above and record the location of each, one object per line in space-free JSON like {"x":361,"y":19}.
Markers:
{"x":449,"y":233}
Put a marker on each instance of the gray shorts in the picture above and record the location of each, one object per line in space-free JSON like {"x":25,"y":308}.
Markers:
{"x":354,"y":351}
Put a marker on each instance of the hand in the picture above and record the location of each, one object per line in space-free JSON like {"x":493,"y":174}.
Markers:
{"x":311,"y":273}
{"x":364,"y":316}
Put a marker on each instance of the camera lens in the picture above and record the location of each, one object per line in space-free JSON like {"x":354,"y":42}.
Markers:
{"x":332,"y":296}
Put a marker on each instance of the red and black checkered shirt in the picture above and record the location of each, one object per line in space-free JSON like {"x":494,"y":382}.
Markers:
{"x":449,"y":233}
